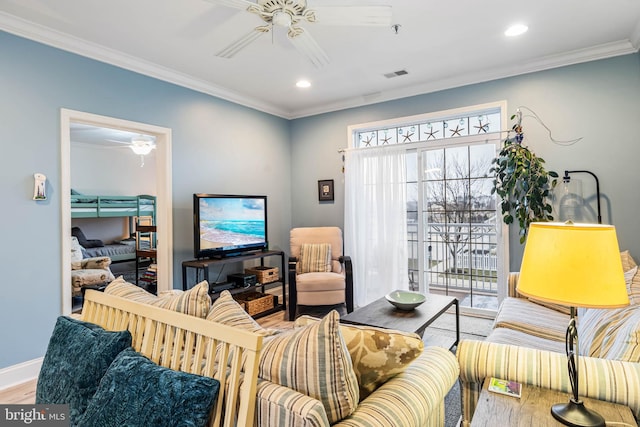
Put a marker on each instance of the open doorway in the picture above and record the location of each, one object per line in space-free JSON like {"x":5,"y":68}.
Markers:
{"x":163,"y":207}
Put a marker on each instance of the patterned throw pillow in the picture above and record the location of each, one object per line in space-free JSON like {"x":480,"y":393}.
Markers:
{"x":622,"y":337}
{"x":592,"y":327}
{"x":227,"y":311}
{"x":136,"y":392}
{"x":314,"y":361}
{"x":76,"y":249}
{"x":627,"y":260}
{"x":628,"y":279}
{"x":78,"y":355}
{"x":610,"y":333}
{"x":634,"y":289}
{"x":377,"y":354}
{"x":315,"y":258}
{"x":195,"y":301}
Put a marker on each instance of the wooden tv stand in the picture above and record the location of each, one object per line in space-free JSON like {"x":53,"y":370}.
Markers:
{"x":205,"y":263}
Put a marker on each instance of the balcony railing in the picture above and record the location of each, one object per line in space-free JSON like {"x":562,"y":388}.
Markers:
{"x":459,"y":259}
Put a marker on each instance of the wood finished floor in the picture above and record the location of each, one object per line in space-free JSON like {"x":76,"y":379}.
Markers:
{"x":25,"y":393}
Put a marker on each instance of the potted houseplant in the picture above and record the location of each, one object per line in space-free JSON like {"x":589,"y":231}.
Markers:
{"x":523,"y":183}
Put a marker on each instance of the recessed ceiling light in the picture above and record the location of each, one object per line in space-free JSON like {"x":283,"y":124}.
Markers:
{"x":516,"y":30}
{"x":303,"y":83}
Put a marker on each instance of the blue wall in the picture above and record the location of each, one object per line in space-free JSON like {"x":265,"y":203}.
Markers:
{"x":218,"y":147}
{"x":216,"y":142}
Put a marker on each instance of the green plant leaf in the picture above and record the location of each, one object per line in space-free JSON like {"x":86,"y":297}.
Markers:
{"x":523,"y":184}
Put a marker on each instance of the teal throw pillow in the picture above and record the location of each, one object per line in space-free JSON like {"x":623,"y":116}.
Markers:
{"x":78,"y":355}
{"x":136,"y":392}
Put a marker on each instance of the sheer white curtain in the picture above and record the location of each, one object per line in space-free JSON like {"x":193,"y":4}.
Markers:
{"x":375,"y":221}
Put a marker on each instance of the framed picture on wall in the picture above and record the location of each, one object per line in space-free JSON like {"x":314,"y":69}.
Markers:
{"x":325,"y":190}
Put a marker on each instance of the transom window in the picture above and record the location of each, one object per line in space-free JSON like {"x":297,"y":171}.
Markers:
{"x":479,"y":123}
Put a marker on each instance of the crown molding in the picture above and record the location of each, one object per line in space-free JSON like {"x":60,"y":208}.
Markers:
{"x":63,"y":41}
{"x":100,"y":53}
{"x":603,"y":51}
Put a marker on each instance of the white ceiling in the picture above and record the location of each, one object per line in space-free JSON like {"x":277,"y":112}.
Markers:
{"x":440,"y":43}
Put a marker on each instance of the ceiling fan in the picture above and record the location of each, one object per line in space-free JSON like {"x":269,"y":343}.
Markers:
{"x":140,"y":145}
{"x":290,"y":13}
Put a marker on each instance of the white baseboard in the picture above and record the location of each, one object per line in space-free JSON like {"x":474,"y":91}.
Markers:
{"x":20,"y":373}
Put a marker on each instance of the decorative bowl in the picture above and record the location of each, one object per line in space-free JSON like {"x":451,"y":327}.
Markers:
{"x":405,"y":300}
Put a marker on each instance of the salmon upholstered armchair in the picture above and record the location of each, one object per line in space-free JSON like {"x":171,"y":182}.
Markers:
{"x":319,"y":272}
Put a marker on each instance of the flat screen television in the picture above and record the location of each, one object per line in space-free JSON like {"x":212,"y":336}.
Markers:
{"x":226,"y":225}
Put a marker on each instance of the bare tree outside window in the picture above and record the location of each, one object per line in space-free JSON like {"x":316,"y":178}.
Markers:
{"x":459,"y":214}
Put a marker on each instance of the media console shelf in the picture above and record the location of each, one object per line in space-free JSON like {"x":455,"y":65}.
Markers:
{"x":205,"y":264}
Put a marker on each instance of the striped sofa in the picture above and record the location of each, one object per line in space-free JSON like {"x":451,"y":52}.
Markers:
{"x":527,"y":344}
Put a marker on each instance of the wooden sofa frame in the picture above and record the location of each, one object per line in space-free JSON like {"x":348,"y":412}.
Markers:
{"x":189,"y":344}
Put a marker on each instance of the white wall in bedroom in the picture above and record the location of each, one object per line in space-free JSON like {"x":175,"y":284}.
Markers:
{"x":111,"y":170}
{"x":107,"y":170}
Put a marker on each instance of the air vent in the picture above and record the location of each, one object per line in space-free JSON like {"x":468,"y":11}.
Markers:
{"x":396,"y":74}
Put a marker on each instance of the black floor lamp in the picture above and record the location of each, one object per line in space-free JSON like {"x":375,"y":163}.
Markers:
{"x":567,"y":178}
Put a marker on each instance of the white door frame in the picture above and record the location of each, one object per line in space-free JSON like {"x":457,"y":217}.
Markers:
{"x":164,"y":213}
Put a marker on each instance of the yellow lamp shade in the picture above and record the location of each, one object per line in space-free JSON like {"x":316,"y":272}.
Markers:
{"x":576,"y":265}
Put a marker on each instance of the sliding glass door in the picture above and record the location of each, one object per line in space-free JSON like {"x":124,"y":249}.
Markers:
{"x":452,"y":223}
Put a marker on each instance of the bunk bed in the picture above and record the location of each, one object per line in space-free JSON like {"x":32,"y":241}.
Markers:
{"x":133,"y":207}
{"x":86,"y":206}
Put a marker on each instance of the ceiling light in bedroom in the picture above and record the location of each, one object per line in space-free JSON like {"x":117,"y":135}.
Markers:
{"x":142,"y":145}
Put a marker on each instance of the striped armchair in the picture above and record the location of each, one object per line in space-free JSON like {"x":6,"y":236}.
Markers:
{"x":412,"y":398}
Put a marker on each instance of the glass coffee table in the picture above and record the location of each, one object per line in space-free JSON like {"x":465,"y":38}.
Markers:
{"x":380,"y":313}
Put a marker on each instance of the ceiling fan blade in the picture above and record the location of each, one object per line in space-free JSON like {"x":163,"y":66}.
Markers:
{"x":236,"y":4}
{"x":244,"y":41}
{"x":353,"y":15}
{"x":308,"y":46}
{"x":119,"y":142}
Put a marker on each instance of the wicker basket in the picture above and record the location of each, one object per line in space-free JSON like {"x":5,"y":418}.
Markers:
{"x":264,"y":274}
{"x":256,"y":302}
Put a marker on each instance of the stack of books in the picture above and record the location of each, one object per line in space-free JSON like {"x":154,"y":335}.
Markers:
{"x":150,"y":277}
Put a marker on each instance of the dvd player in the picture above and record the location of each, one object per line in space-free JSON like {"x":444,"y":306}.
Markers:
{"x":219,"y":287}
{"x":242,"y":280}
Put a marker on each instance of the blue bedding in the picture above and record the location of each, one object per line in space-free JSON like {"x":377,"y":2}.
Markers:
{"x":116,"y":251}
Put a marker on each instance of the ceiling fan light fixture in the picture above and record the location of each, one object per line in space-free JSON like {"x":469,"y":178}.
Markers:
{"x":142,"y":150}
{"x":142,"y":146}
{"x":282,"y":18}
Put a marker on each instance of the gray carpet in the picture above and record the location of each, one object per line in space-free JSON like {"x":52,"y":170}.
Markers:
{"x":452,"y":406}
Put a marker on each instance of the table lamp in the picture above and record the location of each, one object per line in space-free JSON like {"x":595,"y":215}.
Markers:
{"x":577,"y":265}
